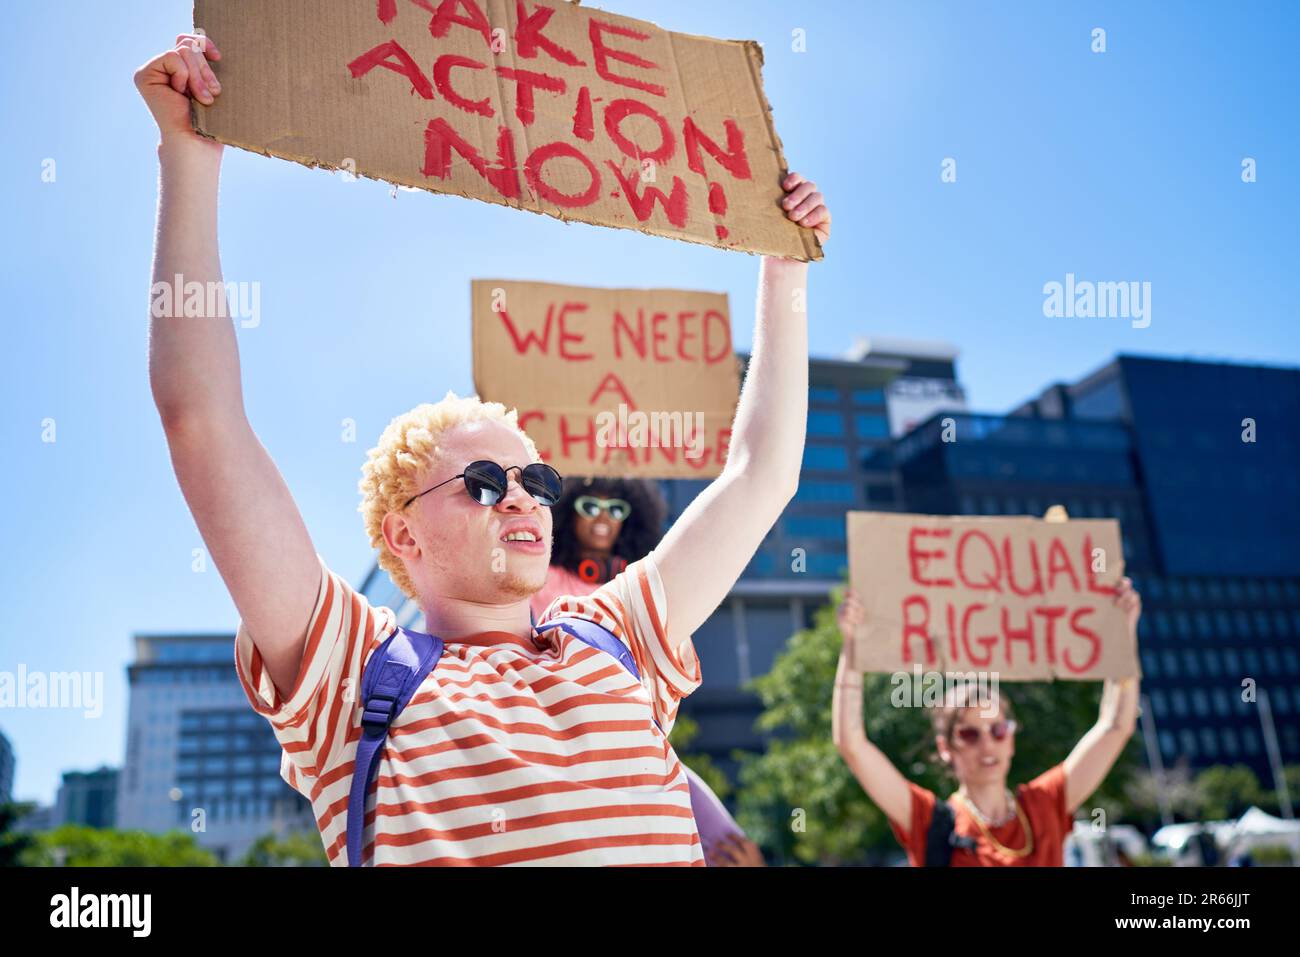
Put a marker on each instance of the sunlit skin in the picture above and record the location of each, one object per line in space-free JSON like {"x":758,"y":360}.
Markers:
{"x":596,"y":536}
{"x":981,"y":769}
{"x":246,"y":513}
{"x":455,"y":548}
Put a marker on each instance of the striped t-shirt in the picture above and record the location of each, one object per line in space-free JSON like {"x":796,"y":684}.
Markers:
{"x":512,"y":751}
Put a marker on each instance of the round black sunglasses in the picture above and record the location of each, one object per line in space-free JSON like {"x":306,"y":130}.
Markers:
{"x":486,"y":482}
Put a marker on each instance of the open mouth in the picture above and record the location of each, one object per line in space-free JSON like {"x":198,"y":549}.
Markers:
{"x":525,"y":539}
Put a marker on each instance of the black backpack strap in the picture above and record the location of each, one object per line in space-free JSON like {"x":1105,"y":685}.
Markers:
{"x":938,"y":839}
{"x":943,"y":837}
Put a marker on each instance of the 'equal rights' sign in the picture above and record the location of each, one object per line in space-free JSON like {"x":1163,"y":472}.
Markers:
{"x":1026,"y":598}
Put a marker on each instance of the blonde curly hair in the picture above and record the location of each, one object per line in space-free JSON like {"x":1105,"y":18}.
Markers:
{"x":389,"y":476}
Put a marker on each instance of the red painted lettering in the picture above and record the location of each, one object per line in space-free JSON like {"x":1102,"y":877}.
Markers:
{"x":442,"y":68}
{"x":391,"y":56}
{"x":603,"y":53}
{"x":916,"y":557}
{"x":440,"y":139}
{"x":533,"y":173}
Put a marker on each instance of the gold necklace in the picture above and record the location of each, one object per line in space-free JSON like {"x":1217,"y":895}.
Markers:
{"x":998,"y":845}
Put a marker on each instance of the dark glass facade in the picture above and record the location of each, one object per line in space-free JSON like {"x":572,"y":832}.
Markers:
{"x":1209,"y":523}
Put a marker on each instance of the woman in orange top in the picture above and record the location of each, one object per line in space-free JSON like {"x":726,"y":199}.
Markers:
{"x":992,"y":827}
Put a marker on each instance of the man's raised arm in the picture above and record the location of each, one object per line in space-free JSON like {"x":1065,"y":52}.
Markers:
{"x":709,"y":546}
{"x":240,"y":503}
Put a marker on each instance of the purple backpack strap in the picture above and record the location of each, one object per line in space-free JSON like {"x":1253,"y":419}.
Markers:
{"x":711,"y":817}
{"x":598,"y":636}
{"x":392,"y":675}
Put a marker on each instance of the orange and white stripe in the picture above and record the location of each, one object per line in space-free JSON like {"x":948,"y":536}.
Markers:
{"x":513,"y":751}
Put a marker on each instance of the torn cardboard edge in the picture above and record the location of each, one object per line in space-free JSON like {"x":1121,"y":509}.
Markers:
{"x":751,"y":51}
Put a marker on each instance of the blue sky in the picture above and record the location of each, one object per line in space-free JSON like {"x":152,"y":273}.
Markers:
{"x":1124,"y":165}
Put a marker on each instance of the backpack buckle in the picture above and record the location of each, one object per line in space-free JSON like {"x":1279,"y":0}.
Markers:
{"x":378,"y":712}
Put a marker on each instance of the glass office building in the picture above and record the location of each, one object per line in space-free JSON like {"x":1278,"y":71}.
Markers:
{"x":1198,"y":461}
{"x":1210,"y":516}
{"x":198,"y":758}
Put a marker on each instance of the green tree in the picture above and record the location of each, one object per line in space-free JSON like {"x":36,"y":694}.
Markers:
{"x":301,"y":849}
{"x":73,"y":845}
{"x":1225,"y":792}
{"x":1268,"y":799}
{"x":13,"y":842}
{"x":685,"y":730}
{"x":800,"y":802}
{"x":1143,"y":793}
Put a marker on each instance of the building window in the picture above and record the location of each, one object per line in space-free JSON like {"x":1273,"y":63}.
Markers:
{"x":1223,"y":622}
{"x":1158,"y":702}
{"x":1189,"y":742}
{"x":827,"y":458}
{"x":825,"y":423}
{"x":824,"y":394}
{"x":1171,"y":664}
{"x":1221,"y":702}
{"x":867,"y":426}
{"x":1242,"y":621}
{"x":1167,"y":746}
{"x":868,"y":396}
{"x":1281,"y":624}
{"x":840,"y":493}
{"x":1208,"y":742}
{"x":814,"y":526}
{"x":1180,"y":702}
{"x":1230,"y":742}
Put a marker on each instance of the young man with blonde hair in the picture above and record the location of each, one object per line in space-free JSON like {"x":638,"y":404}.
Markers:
{"x":521,"y":747}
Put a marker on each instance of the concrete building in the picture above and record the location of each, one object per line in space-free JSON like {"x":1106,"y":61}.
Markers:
{"x":8,"y":765}
{"x":88,"y":798}
{"x":198,"y":758}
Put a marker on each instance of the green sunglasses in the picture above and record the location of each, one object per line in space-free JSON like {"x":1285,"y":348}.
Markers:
{"x":590,"y":506}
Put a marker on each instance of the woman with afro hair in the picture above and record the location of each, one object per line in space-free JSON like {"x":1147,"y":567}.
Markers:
{"x":601,"y":525}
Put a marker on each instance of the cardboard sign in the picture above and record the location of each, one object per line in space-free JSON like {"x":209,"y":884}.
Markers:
{"x":537,"y":104}
{"x":1028,"y":599}
{"x":631,"y":382}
